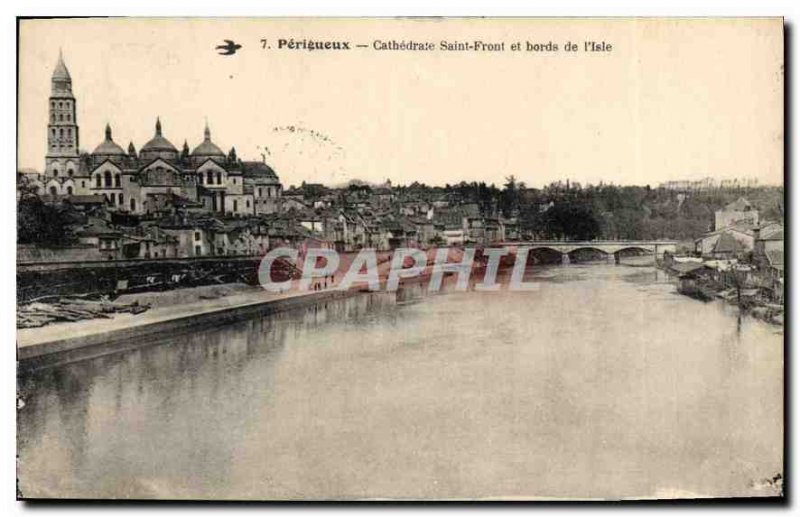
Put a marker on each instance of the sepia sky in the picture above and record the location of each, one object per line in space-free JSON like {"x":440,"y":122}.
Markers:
{"x":674,"y":99}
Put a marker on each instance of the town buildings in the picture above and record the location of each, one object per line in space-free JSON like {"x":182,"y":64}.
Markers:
{"x":164,"y":202}
{"x":742,"y":243}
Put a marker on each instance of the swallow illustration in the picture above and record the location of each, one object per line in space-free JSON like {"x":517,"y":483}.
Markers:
{"x":229,"y":48}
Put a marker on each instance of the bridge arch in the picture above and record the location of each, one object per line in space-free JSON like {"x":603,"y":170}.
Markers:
{"x":640,"y":250}
{"x":588,"y":254}
{"x":544,"y":255}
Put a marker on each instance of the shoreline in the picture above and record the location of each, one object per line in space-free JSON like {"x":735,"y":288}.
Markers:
{"x":46,"y":345}
{"x":79,"y":340}
{"x":712,"y":291}
{"x":91,"y":338}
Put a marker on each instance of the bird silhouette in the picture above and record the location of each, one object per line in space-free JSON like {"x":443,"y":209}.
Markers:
{"x":229,"y":48}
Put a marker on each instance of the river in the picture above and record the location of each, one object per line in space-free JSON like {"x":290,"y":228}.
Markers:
{"x":601,"y":383}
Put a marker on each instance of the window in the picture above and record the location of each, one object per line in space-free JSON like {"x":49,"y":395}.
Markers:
{"x":219,"y":178}
{"x":83,"y":184}
{"x":247,"y":203}
{"x":133,"y":205}
{"x":198,"y":250}
{"x":210,"y":179}
{"x":69,"y":190}
{"x":197,"y":236}
{"x":116,"y":180}
{"x":235,"y":205}
{"x":53,"y":191}
{"x":61,"y":133}
{"x":119,"y":198}
{"x":107,"y":176}
{"x":60,"y":117}
{"x":259,"y":191}
{"x":70,"y":172}
{"x":55,"y":172}
{"x":97,"y":181}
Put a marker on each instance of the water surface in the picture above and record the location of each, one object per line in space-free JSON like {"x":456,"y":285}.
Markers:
{"x":601,"y":383}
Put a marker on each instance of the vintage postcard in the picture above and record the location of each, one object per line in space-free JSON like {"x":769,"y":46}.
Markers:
{"x":400,"y":259}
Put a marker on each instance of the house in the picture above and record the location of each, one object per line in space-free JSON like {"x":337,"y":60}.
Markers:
{"x":426,"y":230}
{"x":191,"y":236}
{"x":511,"y":229}
{"x":727,"y":247}
{"x":96,"y":232}
{"x":87,"y":202}
{"x":483,"y":230}
{"x":289,"y":203}
{"x":768,"y":257}
{"x":741,"y":232}
{"x":740,"y":211}
{"x":262,"y":182}
{"x":311,"y":221}
{"x":399,"y":232}
{"x":768,"y":238}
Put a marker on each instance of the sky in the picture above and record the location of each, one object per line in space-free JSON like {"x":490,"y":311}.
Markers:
{"x":672,"y":100}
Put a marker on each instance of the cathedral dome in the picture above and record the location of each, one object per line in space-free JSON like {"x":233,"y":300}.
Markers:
{"x":108,"y":147}
{"x":158,"y":146}
{"x":207,"y":148}
{"x":159,"y":143}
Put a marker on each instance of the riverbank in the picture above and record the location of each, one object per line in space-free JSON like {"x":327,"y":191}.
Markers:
{"x":176,"y":311}
{"x":707,"y":289}
{"x":170,"y":313}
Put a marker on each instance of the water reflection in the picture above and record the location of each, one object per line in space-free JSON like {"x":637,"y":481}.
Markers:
{"x":603,"y":383}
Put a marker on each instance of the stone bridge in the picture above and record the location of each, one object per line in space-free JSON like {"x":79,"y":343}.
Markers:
{"x":612,"y":249}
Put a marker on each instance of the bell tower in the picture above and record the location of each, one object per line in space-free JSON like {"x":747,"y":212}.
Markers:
{"x":62,"y":157}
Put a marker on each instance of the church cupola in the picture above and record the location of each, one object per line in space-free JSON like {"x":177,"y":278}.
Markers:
{"x":158,"y":146}
{"x":108,"y":148}
{"x":207,"y":149}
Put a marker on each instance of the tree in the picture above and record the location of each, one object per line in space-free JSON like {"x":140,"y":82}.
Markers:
{"x":570,"y":221}
{"x":42,"y":223}
{"x":511,"y":196}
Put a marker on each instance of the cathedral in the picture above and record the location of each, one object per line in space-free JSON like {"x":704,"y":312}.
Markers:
{"x":155,"y":180}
